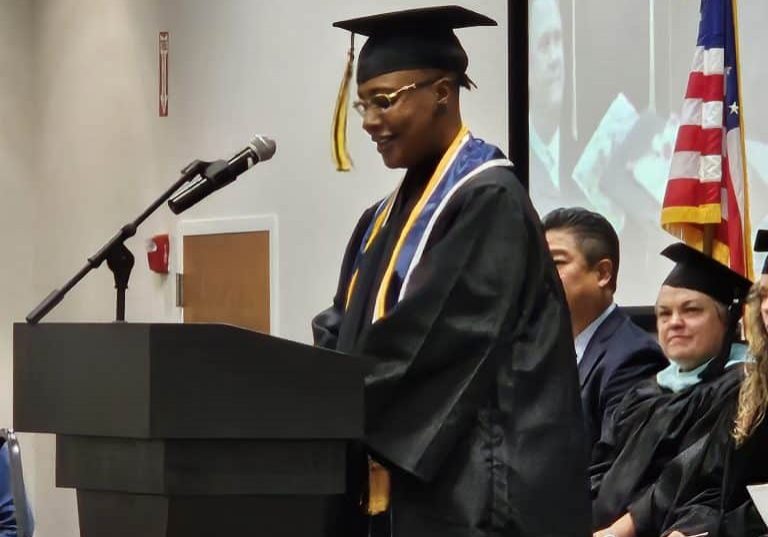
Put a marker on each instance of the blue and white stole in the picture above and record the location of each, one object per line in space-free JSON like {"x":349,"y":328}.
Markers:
{"x":465,"y":159}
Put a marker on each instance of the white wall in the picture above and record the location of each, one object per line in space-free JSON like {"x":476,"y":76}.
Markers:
{"x":19,"y":215}
{"x":237,"y":67}
{"x":17,"y":172}
{"x":19,"y":177}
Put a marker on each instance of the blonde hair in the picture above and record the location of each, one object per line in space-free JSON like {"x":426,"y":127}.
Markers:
{"x":753,"y":395}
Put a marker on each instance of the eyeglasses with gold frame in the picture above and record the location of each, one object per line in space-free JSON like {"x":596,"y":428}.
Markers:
{"x":382,"y":102}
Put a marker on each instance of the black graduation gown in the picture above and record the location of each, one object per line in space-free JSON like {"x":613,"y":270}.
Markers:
{"x":745,"y":465}
{"x":705,"y":490}
{"x":473,"y":399}
{"x":650,"y":429}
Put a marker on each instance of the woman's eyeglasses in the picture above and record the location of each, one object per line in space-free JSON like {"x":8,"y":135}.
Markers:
{"x":384,"y":101}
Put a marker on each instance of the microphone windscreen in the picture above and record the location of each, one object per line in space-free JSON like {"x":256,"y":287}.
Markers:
{"x":264,"y":147}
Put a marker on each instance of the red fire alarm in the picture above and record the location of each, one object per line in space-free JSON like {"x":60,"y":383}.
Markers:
{"x":158,"y":250}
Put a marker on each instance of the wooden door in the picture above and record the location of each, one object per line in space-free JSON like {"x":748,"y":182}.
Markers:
{"x":226,"y":279}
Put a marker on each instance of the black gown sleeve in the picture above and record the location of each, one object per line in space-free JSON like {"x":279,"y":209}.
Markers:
{"x":326,"y":324}
{"x":606,"y":449}
{"x":642,"y":365}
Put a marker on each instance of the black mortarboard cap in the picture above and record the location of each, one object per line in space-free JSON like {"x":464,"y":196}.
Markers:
{"x":761,"y":245}
{"x":697,"y":271}
{"x":413,"y":39}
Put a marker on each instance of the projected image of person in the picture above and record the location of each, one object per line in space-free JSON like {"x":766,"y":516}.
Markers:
{"x":633,"y":182}
{"x":595,"y":90}
{"x":547,"y":85}
{"x":550,"y":184}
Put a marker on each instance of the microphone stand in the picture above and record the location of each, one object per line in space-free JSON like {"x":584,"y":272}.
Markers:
{"x":119,"y":259}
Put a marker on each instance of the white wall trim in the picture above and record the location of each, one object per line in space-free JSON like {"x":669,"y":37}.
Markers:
{"x":238,"y":224}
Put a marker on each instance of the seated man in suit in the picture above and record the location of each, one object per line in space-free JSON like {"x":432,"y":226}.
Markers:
{"x":612,"y":352}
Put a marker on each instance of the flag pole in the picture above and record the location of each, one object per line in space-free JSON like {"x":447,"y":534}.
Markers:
{"x":747,"y":220}
{"x":708,"y":239}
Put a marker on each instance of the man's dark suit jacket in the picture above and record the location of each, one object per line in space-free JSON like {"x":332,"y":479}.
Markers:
{"x":619,"y":355}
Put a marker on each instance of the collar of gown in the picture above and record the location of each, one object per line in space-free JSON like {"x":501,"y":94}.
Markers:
{"x":672,"y":378}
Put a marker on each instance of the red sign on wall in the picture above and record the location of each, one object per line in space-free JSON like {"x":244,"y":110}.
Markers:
{"x":163,"y":103}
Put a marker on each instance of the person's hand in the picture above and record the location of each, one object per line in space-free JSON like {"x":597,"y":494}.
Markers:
{"x":623,"y":527}
{"x":676,"y":534}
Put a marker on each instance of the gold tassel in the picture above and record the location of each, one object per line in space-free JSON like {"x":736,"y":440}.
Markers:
{"x":378,"y":488}
{"x":340,"y":153}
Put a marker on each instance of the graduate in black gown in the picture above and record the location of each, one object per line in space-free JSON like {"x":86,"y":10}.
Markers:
{"x":473,"y":421}
{"x":706,"y":492}
{"x":661,"y":419}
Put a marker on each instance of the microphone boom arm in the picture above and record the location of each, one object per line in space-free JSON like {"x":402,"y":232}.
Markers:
{"x":119,"y":259}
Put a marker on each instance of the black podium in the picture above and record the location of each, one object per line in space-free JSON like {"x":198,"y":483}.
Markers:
{"x":190,"y":430}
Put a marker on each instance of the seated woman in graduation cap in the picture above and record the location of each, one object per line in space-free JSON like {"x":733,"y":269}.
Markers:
{"x":698,"y":309}
{"x":706,"y":491}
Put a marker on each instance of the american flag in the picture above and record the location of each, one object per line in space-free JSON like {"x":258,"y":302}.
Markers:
{"x":707,"y":180}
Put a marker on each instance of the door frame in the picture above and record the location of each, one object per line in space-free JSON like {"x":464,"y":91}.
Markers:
{"x":237,"y":224}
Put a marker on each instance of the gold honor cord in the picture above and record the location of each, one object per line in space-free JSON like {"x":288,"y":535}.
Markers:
{"x":377,"y":225}
{"x":379,"y":487}
{"x":340,"y":153}
{"x":380,"y":307}
{"x":379,"y":480}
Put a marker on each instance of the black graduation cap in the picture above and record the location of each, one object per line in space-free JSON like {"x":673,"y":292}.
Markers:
{"x":414,"y":39}
{"x":761,"y":245}
{"x":697,"y":271}
{"x":411,"y":39}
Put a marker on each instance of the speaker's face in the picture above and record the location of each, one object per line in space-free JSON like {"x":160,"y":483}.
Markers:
{"x":401,"y":114}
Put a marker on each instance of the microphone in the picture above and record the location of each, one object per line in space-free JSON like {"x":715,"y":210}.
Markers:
{"x":220,"y":173}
